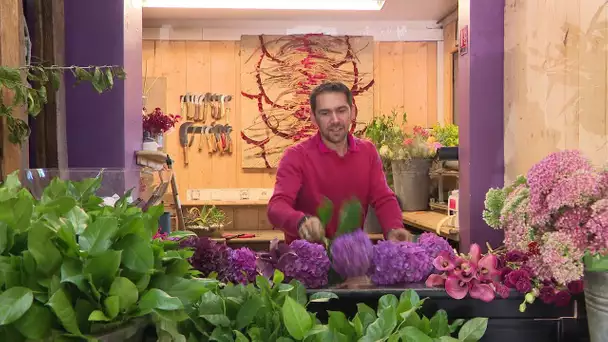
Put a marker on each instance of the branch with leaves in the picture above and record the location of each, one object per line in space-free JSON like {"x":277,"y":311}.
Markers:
{"x":32,"y":92}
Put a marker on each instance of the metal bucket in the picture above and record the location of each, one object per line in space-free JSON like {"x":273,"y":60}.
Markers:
{"x":596,"y":301}
{"x":412,"y":183}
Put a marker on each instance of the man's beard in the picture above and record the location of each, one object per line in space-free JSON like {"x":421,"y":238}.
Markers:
{"x":334,"y":137}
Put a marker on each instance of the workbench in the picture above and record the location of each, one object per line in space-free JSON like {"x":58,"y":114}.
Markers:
{"x":428,"y":221}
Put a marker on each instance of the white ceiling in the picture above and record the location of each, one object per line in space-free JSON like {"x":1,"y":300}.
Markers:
{"x":394,"y":10}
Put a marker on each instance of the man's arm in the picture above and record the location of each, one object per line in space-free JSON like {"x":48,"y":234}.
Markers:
{"x":383,"y":199}
{"x":288,"y":182}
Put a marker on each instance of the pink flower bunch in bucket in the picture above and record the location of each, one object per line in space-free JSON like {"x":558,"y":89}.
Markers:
{"x":474,"y":274}
{"x":158,"y":122}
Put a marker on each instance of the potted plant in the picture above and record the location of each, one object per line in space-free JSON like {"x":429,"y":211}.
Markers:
{"x":72,"y":267}
{"x":446,"y":135}
{"x":209,"y":221}
{"x":157,"y":123}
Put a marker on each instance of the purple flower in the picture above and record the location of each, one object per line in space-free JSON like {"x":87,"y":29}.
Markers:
{"x":562,"y":298}
{"x":517,"y":279}
{"x":242,"y":266}
{"x":547,"y":294}
{"x":516,"y":256}
{"x":308,"y":264}
{"x":209,"y":256}
{"x":435,"y":244}
{"x":400,"y":262}
{"x":352,"y":254}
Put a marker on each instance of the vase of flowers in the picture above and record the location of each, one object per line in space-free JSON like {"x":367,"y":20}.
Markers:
{"x":555,"y":221}
{"x":157,"y":123}
{"x":410,"y":166}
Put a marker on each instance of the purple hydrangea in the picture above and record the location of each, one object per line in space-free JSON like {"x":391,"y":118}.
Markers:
{"x":308,"y":264}
{"x":242,"y":266}
{"x":352,"y":254}
{"x":209,"y":256}
{"x":400,"y":262}
{"x":434,"y":244}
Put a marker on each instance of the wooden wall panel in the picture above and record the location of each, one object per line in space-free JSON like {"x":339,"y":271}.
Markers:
{"x":556,"y":70}
{"x":450,"y":45}
{"x":405,"y":74}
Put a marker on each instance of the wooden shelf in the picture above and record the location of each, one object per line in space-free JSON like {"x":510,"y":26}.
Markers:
{"x":226,"y":203}
{"x":428,"y":221}
{"x":267,"y":236}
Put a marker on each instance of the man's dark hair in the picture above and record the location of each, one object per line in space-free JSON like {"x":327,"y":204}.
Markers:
{"x":330,"y":87}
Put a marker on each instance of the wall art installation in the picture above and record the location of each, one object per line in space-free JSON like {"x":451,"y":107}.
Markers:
{"x":277,"y":75}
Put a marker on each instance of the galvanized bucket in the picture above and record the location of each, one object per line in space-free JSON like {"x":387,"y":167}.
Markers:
{"x":596,"y":301}
{"x":412,"y":183}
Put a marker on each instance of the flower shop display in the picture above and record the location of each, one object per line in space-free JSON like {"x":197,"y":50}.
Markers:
{"x":157,"y":123}
{"x":73,"y":267}
{"x":557,"y":216}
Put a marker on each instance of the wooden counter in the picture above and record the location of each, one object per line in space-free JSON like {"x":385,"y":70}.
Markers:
{"x":428,"y":221}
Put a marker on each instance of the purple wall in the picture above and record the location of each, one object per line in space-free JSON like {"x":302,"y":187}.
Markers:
{"x":104,"y":130}
{"x":480,"y":104}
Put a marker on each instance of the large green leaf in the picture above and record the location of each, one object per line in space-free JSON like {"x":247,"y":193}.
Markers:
{"x":97,"y":237}
{"x":103,"y":268}
{"x":297,"y":321}
{"x":325,"y":211}
{"x":126,"y":291}
{"x":61,"y":305}
{"x":473,"y":330}
{"x":350,"y":217}
{"x":40,"y":245}
{"x":14,"y":303}
{"x":36,"y":323}
{"x":137,"y":254}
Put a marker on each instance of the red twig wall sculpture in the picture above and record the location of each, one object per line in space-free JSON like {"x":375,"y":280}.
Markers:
{"x":277,"y":76}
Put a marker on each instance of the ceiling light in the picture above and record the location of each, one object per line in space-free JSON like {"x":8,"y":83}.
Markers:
{"x":329,"y":5}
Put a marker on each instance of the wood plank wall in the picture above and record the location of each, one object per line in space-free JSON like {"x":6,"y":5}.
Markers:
{"x":405,"y":74}
{"x":556,"y":71}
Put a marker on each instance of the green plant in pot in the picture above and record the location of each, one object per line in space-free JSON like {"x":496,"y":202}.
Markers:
{"x":74,"y":269}
{"x":208,"y":221}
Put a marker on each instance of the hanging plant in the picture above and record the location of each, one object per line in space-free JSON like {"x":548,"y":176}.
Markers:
{"x":32,"y":92}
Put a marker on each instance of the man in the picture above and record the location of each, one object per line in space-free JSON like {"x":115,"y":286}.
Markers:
{"x":331,"y":164}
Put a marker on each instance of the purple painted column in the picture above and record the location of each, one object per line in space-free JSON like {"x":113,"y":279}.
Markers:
{"x":104,"y":130}
{"x":480,"y":106}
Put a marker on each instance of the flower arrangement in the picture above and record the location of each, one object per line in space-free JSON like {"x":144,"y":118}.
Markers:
{"x":419,"y":144}
{"x":387,"y":135}
{"x":158,"y":122}
{"x":446,"y":135}
{"x":555,"y":222}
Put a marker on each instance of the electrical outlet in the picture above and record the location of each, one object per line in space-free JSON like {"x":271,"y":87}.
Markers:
{"x":244,"y":194}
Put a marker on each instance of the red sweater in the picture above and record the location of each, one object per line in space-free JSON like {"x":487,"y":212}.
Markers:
{"x":310,"y":171}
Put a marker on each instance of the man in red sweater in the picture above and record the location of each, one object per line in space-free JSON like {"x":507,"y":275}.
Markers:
{"x":332,"y":164}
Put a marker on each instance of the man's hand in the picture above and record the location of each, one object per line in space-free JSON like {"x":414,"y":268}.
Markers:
{"x":312,"y":230}
{"x":400,"y":234}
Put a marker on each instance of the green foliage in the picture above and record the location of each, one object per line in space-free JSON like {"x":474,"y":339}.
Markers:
{"x":275,"y":311}
{"x":40,"y":80}
{"x":496,"y":202}
{"x":73,"y":268}
{"x":209,"y":216}
{"x":446,"y":135}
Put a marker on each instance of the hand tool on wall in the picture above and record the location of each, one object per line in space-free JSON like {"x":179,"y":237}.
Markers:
{"x":197,"y":108}
{"x":183,"y":139}
{"x":191,"y":107}
{"x":206,"y":109}
{"x":217,"y":131}
{"x":210,"y":139}
{"x":213,"y":106}
{"x":202,"y":139}
{"x":182,"y":105}
{"x":228,"y":129}
{"x":222,"y":105}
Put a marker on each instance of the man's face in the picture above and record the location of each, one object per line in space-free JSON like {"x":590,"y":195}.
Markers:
{"x":333,"y":116}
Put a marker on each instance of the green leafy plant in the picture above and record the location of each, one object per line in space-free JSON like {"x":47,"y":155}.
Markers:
{"x":447,"y":135}
{"x":31,"y":91}
{"x":207,"y":217}
{"x":275,"y":311}
{"x":72,"y":268}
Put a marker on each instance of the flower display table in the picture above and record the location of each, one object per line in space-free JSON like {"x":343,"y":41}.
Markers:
{"x":540,"y":322}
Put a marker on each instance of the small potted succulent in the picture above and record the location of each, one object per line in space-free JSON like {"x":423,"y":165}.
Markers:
{"x":208,"y":221}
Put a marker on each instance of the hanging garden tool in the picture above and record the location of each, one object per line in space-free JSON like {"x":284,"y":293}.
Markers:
{"x":210,"y":139}
{"x":217,"y":132}
{"x":206,"y":99}
{"x":182,"y":106}
{"x":191,"y":107}
{"x":202,"y":139}
{"x":197,"y":107}
{"x":227,"y":131}
{"x":183,"y":139}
